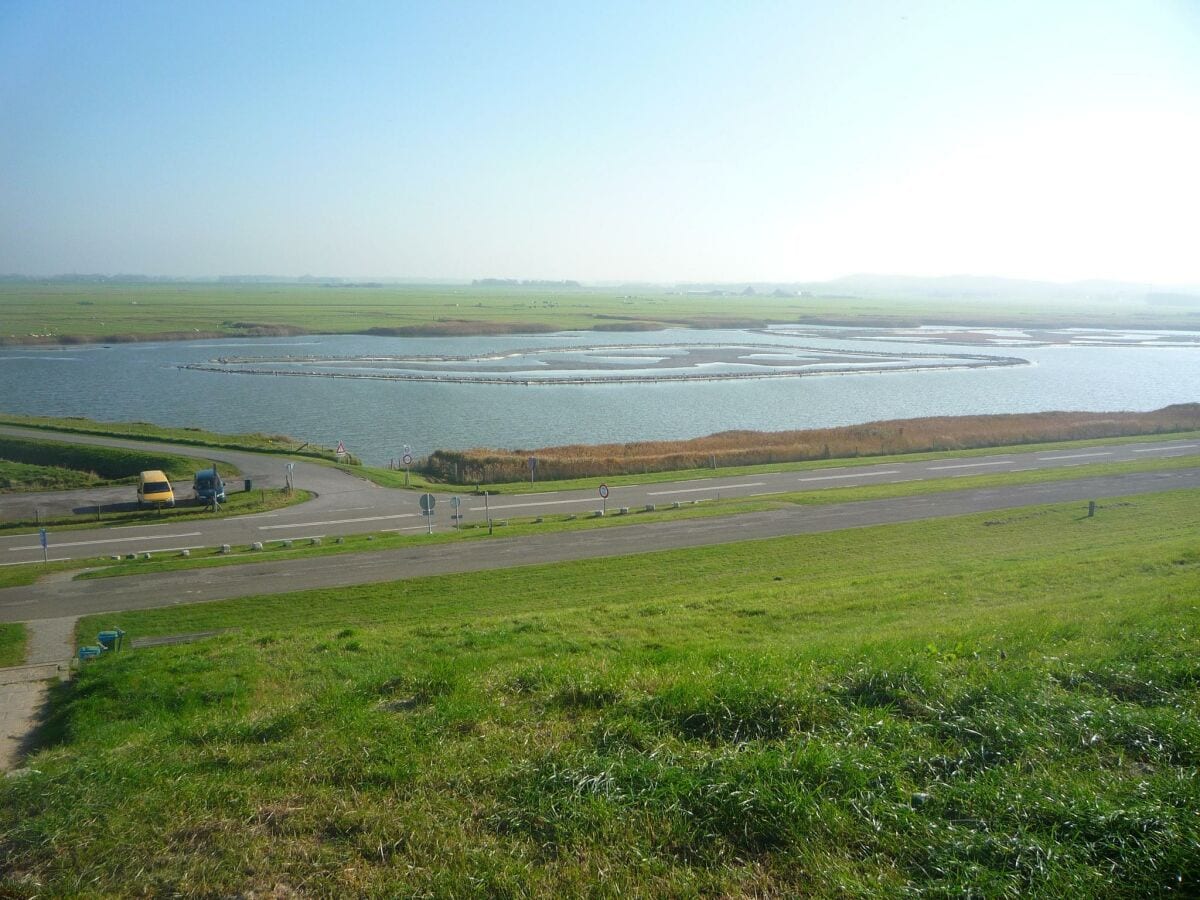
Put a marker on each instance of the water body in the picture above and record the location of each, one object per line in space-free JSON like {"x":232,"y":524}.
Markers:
{"x":376,"y":418}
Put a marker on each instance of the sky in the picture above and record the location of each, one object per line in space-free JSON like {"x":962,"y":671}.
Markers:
{"x":661,"y":141}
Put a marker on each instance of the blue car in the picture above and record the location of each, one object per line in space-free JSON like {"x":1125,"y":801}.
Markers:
{"x":208,"y":485}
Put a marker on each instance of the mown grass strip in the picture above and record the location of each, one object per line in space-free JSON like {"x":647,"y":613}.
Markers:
{"x":12,"y":643}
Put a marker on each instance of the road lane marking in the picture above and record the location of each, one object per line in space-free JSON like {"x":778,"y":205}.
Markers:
{"x":851,"y":475}
{"x":1172,"y":447}
{"x":998,"y":462}
{"x":27,"y":562}
{"x":541,"y":503}
{"x":161,"y":537}
{"x":337,"y":521}
{"x":1072,"y":456}
{"x":710,"y":489}
{"x":766,"y":493}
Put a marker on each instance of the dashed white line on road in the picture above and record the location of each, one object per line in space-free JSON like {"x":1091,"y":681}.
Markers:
{"x":1072,"y":456}
{"x":337,"y":521}
{"x":27,"y":562}
{"x":161,"y":537}
{"x":998,"y":462}
{"x":710,"y":489}
{"x":540,"y":503}
{"x":1172,"y":447}
{"x":766,"y":493}
{"x":851,"y":475}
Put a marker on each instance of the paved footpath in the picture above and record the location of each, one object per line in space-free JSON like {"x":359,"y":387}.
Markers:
{"x":50,"y":645}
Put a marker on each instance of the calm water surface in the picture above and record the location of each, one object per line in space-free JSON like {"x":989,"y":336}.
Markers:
{"x":375,"y":418}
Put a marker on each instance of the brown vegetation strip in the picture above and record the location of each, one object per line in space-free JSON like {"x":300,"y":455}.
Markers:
{"x":742,"y":448}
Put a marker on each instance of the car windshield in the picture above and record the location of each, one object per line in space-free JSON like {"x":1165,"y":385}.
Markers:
{"x":204,"y":481}
{"x":157,"y":487}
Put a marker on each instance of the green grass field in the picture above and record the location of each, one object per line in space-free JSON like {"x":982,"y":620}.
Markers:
{"x":12,"y":644}
{"x":114,"y":312}
{"x":1000,"y":705}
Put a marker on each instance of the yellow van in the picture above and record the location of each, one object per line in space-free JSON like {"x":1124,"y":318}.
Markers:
{"x":154,"y":489}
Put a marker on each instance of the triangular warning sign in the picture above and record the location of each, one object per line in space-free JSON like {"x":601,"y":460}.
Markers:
{"x":341,"y":448}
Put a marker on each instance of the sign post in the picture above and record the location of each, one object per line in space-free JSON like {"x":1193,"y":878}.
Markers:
{"x":532,"y":467}
{"x":603,"y":499}
{"x":288,"y":476}
{"x":340,"y":452}
{"x":456,"y":516}
{"x":407,"y":460}
{"x":428,"y":502}
{"x":45,"y":544}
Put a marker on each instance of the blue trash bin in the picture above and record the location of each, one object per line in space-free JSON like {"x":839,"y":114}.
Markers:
{"x":110,"y":640}
{"x":90,"y":652}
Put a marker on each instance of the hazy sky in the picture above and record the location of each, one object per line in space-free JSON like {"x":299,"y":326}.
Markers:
{"x":644,"y":140}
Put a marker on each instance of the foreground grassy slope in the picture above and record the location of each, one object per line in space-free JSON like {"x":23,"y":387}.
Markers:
{"x":1007,"y":703}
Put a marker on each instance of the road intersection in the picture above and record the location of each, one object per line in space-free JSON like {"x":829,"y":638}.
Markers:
{"x":345,"y":504}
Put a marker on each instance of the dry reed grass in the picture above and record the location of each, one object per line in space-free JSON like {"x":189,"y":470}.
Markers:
{"x":741,"y":448}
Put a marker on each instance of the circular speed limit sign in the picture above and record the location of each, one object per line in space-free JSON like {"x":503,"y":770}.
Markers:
{"x":406,"y":459}
{"x":604,"y":491}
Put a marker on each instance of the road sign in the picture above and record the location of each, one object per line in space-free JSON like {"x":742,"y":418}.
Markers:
{"x":406,"y":459}
{"x":341,"y":449}
{"x":604,"y":492}
{"x":533,"y":464}
{"x":44,"y":538}
{"x":456,"y":502}
{"x":428,"y":502}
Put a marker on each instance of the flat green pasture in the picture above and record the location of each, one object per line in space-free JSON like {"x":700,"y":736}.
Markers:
{"x":999,"y":705}
{"x":113,"y":312}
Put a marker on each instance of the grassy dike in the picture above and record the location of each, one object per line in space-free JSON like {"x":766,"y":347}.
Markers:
{"x":1006,"y":704}
{"x":196,"y":437}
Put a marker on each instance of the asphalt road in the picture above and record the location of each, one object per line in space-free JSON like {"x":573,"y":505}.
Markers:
{"x":63,"y":597}
{"x":346,"y":504}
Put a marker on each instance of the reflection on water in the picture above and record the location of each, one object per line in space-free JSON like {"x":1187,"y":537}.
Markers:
{"x":377,"y":417}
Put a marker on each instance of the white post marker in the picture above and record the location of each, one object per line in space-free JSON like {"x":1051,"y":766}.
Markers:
{"x":604,"y":499}
{"x":428,"y":502}
{"x":532,"y":467}
{"x":45,"y":539}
